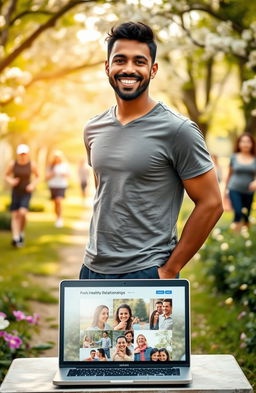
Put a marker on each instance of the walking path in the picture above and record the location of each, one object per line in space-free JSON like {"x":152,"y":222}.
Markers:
{"x":71,"y":258}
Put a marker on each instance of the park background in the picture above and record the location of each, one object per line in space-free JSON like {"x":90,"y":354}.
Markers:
{"x":52,"y":81}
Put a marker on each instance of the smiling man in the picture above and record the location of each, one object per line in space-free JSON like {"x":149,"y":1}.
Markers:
{"x":144,"y":155}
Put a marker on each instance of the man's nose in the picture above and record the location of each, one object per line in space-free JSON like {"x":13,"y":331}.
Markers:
{"x":129,"y":67}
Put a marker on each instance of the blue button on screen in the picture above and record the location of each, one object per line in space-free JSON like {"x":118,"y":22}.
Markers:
{"x":169,"y":292}
{"x":159,"y":292}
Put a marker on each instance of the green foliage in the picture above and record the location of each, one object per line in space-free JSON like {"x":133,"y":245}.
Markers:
{"x":16,"y":332}
{"x":230,"y":260}
{"x":5,"y":221}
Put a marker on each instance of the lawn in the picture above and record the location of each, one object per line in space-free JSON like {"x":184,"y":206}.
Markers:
{"x":40,"y":256}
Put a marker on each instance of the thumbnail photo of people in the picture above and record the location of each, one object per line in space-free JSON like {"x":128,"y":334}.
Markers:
{"x":126,"y":330}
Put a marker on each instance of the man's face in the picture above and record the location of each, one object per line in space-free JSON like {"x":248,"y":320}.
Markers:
{"x":129,"y":68}
{"x":167,"y":309}
{"x":93,"y":354}
{"x":159,"y":308}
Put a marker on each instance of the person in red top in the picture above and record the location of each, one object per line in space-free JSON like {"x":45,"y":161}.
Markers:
{"x":18,"y":176}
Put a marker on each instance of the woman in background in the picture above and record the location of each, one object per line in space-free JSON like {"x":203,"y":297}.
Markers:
{"x":57,"y":177}
{"x":240,"y":182}
{"x":101,"y":355}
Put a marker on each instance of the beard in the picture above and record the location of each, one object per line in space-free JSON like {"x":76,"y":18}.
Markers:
{"x":126,"y":95}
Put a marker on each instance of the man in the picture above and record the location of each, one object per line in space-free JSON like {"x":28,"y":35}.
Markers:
{"x":144,"y":155}
{"x":159,"y":307}
{"x":92,"y":357}
{"x":129,"y":335}
{"x":105,"y":343}
{"x":165,"y":320}
{"x":19,"y":176}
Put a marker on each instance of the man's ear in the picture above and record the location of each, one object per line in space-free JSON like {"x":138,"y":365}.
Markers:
{"x":107,"y":67}
{"x":154,"y":70}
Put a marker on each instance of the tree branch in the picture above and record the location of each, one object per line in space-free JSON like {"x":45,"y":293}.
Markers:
{"x":28,"y":12}
{"x":29,"y":40}
{"x":7,"y":16}
{"x":53,"y":76}
{"x":211,"y":12}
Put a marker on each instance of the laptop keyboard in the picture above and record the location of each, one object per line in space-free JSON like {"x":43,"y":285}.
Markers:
{"x":113,"y":372}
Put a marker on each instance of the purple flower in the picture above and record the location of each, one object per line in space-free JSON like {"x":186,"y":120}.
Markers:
{"x":13,"y":341}
{"x":19,"y":315}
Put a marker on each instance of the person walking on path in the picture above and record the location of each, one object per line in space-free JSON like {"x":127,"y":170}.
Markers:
{"x":18,"y":176}
{"x":83,"y":174}
{"x":240,"y":182}
{"x":144,"y":155}
{"x":57,"y":176}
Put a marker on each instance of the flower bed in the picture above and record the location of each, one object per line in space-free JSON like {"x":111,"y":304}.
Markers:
{"x":16,"y":329}
{"x":230,"y":259}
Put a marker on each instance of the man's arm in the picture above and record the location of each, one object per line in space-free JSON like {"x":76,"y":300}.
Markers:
{"x":204,"y":192}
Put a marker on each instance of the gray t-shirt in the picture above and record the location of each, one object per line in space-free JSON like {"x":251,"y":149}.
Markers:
{"x":242,"y":175}
{"x":140,"y":167}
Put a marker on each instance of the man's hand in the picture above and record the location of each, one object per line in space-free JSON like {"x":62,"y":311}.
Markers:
{"x":164,"y":273}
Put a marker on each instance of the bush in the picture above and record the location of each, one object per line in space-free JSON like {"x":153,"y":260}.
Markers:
{"x":16,"y":330}
{"x":5,"y":221}
{"x":230,"y":259}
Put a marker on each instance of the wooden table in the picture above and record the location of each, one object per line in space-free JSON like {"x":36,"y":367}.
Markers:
{"x":211,"y":374}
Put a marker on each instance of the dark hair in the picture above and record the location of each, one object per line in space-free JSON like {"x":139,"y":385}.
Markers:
{"x":93,"y":350}
{"x":129,"y":331}
{"x":105,"y":332}
{"x":129,"y":322}
{"x":151,"y":322}
{"x":166,"y":352}
{"x":137,"y":31}
{"x":253,"y":148}
{"x":159,"y":302}
{"x":168,"y":301}
{"x":97,"y":314}
{"x":101,"y":351}
{"x":153,"y":350}
{"x":127,"y":350}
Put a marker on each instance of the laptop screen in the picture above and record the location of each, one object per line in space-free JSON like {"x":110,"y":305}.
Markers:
{"x":105,"y":322}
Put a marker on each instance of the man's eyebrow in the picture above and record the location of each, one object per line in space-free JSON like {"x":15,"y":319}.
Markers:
{"x":120,"y":55}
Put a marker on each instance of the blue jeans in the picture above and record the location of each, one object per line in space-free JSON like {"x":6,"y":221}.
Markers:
{"x":150,"y":273}
{"x":240,"y":201}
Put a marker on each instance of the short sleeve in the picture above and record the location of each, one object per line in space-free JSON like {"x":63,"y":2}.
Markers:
{"x":190,"y":155}
{"x":86,"y":143}
{"x":231,"y":162}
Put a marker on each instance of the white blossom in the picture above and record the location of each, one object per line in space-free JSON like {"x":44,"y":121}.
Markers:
{"x":247,"y":35}
{"x":3,"y":323}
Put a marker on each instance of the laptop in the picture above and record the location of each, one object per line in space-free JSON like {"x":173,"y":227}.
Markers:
{"x":124,"y":332}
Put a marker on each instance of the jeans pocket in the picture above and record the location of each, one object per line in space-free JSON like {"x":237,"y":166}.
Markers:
{"x":84,"y":273}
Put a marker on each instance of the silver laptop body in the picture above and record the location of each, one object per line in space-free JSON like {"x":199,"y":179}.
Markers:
{"x":109,"y":333}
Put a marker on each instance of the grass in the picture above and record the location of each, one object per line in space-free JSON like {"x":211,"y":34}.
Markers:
{"x":40,"y":256}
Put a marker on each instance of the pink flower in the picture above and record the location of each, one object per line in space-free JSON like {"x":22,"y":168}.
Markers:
{"x":241,"y":315}
{"x":33,"y":319}
{"x":2,"y":314}
{"x":19,"y":315}
{"x":13,"y":341}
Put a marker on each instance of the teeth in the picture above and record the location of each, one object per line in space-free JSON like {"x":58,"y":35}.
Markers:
{"x":128,"y":81}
